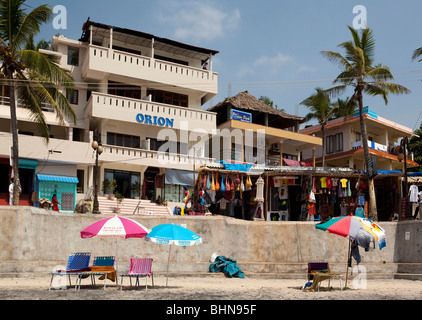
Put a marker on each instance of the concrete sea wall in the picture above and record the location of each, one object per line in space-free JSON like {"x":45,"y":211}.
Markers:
{"x":34,"y":241}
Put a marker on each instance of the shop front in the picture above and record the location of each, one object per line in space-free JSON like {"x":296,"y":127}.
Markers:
{"x":64,"y":187}
{"x":290,"y":193}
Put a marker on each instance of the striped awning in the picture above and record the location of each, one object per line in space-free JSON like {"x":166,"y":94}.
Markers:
{"x":49,"y":177}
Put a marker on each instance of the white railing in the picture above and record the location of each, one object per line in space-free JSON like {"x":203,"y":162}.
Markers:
{"x":136,"y":63}
{"x":163,"y":157}
{"x":142,"y":106}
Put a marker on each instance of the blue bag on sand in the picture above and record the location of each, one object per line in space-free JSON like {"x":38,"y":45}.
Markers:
{"x":228,"y":266}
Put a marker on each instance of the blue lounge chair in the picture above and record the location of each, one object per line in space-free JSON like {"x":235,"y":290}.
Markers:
{"x":102,"y":261}
{"x":77,"y":261}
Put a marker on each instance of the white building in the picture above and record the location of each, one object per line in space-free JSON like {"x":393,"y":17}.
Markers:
{"x":132,"y":89}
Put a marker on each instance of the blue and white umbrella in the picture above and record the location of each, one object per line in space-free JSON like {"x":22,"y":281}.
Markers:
{"x":172,"y":234}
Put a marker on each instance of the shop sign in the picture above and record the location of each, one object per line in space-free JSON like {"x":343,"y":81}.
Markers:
{"x":241,"y":116}
{"x":154,"y":120}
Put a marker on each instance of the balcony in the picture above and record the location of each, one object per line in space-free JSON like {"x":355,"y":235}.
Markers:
{"x":112,"y":107}
{"x":58,"y":150}
{"x":99,"y":61}
{"x":137,"y":156}
{"x":371,"y":145}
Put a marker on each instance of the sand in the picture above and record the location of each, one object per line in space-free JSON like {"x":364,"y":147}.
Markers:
{"x":211,"y":288}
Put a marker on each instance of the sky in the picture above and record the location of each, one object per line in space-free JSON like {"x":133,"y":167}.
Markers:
{"x":272,"y":47}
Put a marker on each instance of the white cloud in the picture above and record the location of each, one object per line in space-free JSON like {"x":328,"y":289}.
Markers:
{"x":196,"y":21}
{"x":276,"y":61}
{"x":273,"y":64}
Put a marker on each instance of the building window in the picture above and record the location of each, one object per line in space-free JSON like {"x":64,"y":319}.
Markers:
{"x":174,"y":99}
{"x":73,"y":56}
{"x":80,"y":174}
{"x":334,"y":143}
{"x":123,"y":140}
{"x":72,"y":96}
{"x":339,"y":142}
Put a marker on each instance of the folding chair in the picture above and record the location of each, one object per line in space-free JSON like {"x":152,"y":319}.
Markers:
{"x":139,"y":267}
{"x":320,"y":271}
{"x":76,"y":262}
{"x":102,"y":261}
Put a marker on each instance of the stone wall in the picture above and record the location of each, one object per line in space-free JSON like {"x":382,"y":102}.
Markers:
{"x":35,"y":240}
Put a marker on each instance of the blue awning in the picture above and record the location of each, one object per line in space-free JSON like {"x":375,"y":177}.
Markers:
{"x":48,"y":177}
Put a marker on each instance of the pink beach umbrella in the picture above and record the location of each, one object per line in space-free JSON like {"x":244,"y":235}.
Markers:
{"x":115,"y":227}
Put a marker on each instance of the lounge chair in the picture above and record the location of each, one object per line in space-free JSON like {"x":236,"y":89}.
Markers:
{"x":139,"y":267}
{"x":102,"y":266}
{"x":320,"y":271}
{"x":77,"y":261}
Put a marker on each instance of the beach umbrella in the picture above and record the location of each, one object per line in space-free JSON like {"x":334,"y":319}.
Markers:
{"x":356,"y":228}
{"x":172,"y":234}
{"x":115,"y":227}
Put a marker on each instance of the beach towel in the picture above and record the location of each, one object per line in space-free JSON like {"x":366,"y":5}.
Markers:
{"x":228,"y":266}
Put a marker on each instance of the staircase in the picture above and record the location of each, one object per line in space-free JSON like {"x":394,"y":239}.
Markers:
{"x":24,"y":199}
{"x":128,"y":206}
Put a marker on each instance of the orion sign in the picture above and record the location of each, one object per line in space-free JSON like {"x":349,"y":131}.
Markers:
{"x":154,"y":120}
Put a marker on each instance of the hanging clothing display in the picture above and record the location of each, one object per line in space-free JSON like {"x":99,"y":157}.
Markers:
{"x":413,"y":193}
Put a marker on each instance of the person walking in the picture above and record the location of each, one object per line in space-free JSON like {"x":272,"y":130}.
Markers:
{"x":56,"y":203}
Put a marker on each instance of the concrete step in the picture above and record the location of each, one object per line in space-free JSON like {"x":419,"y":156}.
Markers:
{"x":128,"y":206}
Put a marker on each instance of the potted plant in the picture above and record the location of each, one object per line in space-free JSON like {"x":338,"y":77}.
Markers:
{"x":119,"y":200}
{"x":108,"y":187}
{"x":136,"y":188}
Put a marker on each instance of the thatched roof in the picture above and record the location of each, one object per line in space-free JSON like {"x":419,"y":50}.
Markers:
{"x":246,"y":102}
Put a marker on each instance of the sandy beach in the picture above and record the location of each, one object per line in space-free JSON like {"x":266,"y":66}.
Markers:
{"x":215,"y":287}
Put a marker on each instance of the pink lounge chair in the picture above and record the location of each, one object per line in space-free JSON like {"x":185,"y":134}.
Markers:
{"x":139,"y":267}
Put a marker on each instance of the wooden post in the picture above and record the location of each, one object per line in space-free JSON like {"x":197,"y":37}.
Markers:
{"x":266,"y":198}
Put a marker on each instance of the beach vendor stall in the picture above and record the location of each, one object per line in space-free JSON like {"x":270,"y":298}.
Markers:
{"x":64,"y":187}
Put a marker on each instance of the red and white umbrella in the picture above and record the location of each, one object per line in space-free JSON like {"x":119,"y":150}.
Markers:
{"x":115,"y":227}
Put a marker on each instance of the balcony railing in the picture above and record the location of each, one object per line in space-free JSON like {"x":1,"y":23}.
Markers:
{"x":372,"y":145}
{"x":120,"y":108}
{"x":142,"y":67}
{"x":164,"y":158}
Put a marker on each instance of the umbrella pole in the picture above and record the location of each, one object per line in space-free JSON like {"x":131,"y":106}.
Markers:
{"x":347,"y":270}
{"x":117,"y":266}
{"x":168,"y":263}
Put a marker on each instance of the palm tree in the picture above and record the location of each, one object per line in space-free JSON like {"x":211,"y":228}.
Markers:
{"x":33,"y":78}
{"x":359,"y":72}
{"x":321,"y":109}
{"x":342,"y":110}
{"x":270,"y":103}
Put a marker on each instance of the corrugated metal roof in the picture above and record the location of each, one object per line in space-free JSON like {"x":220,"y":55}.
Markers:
{"x":49,"y":177}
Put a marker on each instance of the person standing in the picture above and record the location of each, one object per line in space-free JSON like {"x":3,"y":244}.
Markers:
{"x":55,"y":203}
{"x":11,"y":193}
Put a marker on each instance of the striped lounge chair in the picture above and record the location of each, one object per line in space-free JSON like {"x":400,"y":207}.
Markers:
{"x":102,"y":261}
{"x":139,"y":267}
{"x":76,"y":262}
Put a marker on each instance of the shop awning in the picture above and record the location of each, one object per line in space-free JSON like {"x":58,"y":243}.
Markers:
{"x":27,"y":164}
{"x":48,"y":177}
{"x":180,"y":177}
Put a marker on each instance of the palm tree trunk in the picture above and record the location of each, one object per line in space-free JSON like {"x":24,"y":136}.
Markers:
{"x":323,"y":144}
{"x":15,"y":143}
{"x":371,"y":188}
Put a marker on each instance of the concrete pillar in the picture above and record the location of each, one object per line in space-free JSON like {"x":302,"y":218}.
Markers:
{"x":280,"y":147}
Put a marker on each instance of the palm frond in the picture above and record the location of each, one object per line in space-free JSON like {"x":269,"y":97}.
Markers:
{"x":31,"y":25}
{"x":379,"y":73}
{"x":391,"y":87}
{"x":48,"y":67}
{"x":337,"y":58}
{"x":30,"y":99}
{"x":374,"y":90}
{"x":336,"y":91}
{"x":417,"y":53}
